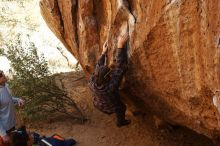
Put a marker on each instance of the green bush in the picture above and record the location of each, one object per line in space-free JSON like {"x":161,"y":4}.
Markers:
{"x":32,"y":81}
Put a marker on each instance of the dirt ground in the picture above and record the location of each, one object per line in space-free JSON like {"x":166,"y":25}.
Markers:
{"x":100,"y":129}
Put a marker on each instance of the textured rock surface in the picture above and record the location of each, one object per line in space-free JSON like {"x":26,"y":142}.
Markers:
{"x":174,"y":60}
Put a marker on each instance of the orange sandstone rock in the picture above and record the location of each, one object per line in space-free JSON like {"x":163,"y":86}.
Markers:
{"x":174,"y":52}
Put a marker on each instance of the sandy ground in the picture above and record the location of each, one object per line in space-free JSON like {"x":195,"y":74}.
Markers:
{"x":100,"y":129}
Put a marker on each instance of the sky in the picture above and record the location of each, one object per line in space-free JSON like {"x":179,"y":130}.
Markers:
{"x":4,"y":64}
{"x":30,"y":21}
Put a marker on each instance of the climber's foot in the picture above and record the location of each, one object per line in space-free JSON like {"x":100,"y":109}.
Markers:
{"x":123,"y":123}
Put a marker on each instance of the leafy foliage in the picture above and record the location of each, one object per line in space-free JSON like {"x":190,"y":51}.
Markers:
{"x":32,"y":81}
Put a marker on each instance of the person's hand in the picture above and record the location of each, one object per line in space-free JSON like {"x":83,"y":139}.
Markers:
{"x":105,"y":48}
{"x":5,"y":138}
{"x":122,"y":40}
{"x":20,"y":102}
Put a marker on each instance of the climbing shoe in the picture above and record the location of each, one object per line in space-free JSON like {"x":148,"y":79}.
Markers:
{"x":123,"y":123}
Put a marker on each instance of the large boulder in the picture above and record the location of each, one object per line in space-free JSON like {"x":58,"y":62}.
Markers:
{"x":173,"y":49}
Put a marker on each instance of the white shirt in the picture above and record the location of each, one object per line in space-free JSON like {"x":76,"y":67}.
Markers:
{"x":7,"y":110}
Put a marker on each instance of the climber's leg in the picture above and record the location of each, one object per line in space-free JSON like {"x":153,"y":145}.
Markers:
{"x":120,"y":114}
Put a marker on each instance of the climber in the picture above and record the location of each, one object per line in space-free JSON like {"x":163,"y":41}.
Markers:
{"x":105,"y":82}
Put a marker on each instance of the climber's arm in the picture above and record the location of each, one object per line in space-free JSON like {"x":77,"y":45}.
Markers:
{"x":121,"y":63}
{"x":103,"y":56}
{"x":121,"y":56}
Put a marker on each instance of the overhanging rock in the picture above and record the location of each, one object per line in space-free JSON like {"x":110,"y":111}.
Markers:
{"x":174,"y":52}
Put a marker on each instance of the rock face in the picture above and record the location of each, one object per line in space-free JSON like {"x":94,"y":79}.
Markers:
{"x":174,"y":51}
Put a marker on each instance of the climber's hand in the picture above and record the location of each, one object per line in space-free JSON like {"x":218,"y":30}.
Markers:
{"x":122,"y":40}
{"x":105,"y":48}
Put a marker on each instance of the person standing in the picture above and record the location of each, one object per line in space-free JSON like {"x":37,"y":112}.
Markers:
{"x":7,"y":109}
